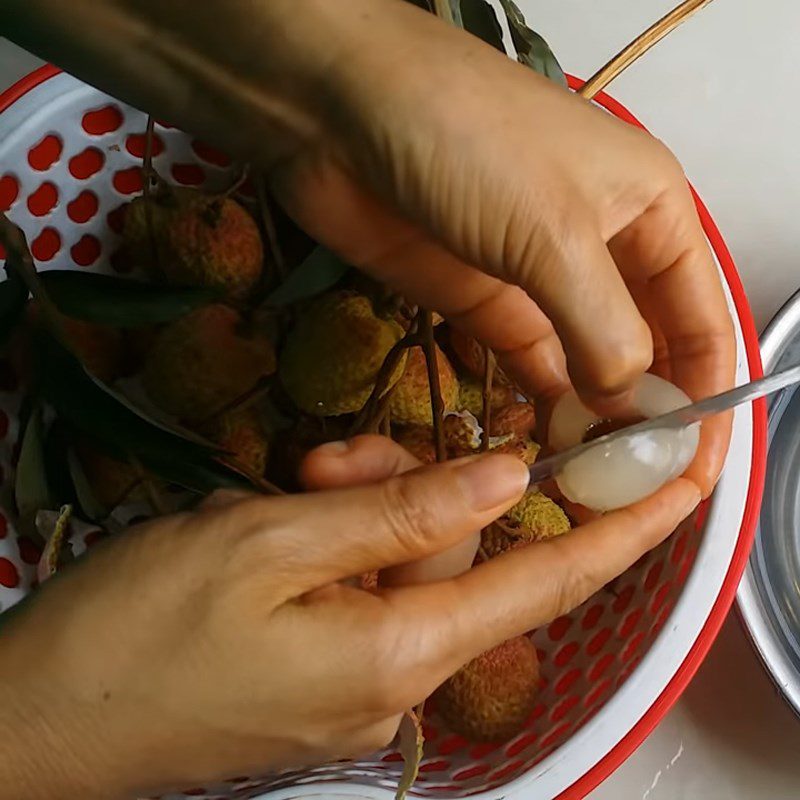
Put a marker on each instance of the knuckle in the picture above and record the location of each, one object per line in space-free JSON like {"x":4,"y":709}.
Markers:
{"x":408,"y":516}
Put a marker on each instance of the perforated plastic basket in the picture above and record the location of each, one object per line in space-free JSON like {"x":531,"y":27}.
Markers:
{"x":70,"y":158}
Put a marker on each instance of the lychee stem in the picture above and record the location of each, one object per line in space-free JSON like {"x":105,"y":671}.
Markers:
{"x":255,"y":392}
{"x":639,"y":46}
{"x":488,"y":377}
{"x":431,"y":362}
{"x":371,"y":409}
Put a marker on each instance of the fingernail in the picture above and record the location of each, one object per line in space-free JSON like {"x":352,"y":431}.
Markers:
{"x":493,"y":481}
{"x":336,"y":448}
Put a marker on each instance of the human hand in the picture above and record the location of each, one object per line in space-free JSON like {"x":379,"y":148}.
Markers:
{"x":220,"y":642}
{"x":561,"y":237}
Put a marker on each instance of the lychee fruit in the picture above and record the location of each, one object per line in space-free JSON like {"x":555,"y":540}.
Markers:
{"x":202,"y":362}
{"x":411,"y":398}
{"x":241,"y":433}
{"x":491,"y":698}
{"x":98,"y":347}
{"x":471,"y":396}
{"x":418,"y":440}
{"x":215,"y":243}
{"x":523,"y":447}
{"x":332,"y":356}
{"x":518,"y":419}
{"x":535,"y":518}
{"x":462,"y":434}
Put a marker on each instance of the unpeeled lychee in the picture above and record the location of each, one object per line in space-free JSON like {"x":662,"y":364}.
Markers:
{"x":535,"y":518}
{"x":523,"y":447}
{"x":471,"y":396}
{"x":332,"y":356}
{"x":411,"y":399}
{"x":203,"y":361}
{"x":215,"y":243}
{"x":516,"y":418}
{"x":491,"y":697}
{"x":418,"y":440}
{"x":241,"y":433}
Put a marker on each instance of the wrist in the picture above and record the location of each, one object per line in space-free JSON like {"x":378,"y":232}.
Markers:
{"x":50,"y":747}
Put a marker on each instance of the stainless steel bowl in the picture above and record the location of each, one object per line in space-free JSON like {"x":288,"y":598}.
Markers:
{"x":769,"y":594}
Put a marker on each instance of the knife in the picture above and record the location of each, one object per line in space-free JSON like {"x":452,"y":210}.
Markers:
{"x":680,"y":418}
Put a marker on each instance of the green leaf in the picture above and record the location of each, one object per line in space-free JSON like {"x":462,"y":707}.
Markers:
{"x":56,"y":449}
{"x":411,"y":742}
{"x":122,"y":303}
{"x":91,"y":507}
{"x":480,"y":20}
{"x":319,"y":271}
{"x":92,"y":409}
{"x":13,"y":297}
{"x":532,"y":49}
{"x":31,"y":490}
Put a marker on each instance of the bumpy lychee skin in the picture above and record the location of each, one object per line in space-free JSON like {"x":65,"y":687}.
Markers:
{"x":517,"y":418}
{"x":418,"y":440}
{"x":214,"y":243}
{"x":332,"y":356}
{"x":411,"y":399}
{"x":523,"y":447}
{"x":201,"y":362}
{"x":491,"y":698}
{"x":535,"y":518}
{"x":99,"y":347}
{"x":242,"y":434}
{"x":471,"y":396}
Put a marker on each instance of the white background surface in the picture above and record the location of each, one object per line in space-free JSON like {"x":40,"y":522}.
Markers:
{"x":721,"y":92}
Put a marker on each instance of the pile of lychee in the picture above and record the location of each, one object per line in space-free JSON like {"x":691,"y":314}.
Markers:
{"x":267,"y":384}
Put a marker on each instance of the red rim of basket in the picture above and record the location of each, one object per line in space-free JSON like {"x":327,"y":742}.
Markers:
{"x":639,"y":732}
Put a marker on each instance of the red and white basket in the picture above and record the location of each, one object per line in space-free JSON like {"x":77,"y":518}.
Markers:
{"x":70,"y":158}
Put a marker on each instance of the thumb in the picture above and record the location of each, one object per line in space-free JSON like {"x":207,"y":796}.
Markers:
{"x":329,"y":536}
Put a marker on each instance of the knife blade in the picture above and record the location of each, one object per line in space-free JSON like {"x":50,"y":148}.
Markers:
{"x":680,"y":418}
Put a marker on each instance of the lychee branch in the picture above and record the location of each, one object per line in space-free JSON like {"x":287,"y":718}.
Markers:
{"x":425,"y":323}
{"x":147,"y":185}
{"x":488,"y":377}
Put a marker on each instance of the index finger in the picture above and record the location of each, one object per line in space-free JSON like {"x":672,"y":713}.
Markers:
{"x":666,"y":248}
{"x":532,"y":585}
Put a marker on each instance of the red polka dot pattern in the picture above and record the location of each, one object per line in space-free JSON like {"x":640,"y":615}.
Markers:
{"x":87,"y":163}
{"x":9,"y":575}
{"x":102,"y":120}
{"x":136,"y":144}
{"x":9,"y":191}
{"x":85,"y":251}
{"x":188,"y":174}
{"x":43,"y":200}
{"x":45,"y":246}
{"x":83,"y":207}
{"x":128,"y":181}
{"x":43,"y":155}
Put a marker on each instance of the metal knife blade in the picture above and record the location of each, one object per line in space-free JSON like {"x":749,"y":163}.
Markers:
{"x":680,"y":418}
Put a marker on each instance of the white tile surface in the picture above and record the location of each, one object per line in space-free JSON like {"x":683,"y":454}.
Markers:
{"x":722,"y":93}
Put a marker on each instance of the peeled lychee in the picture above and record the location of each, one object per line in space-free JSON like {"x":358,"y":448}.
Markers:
{"x":411,"y":399}
{"x":471,"y":396}
{"x":491,"y":697}
{"x":332,"y":356}
{"x":202,"y":361}
{"x":242,"y":434}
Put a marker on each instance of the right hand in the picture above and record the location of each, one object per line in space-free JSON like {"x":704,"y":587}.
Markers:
{"x":205,"y":645}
